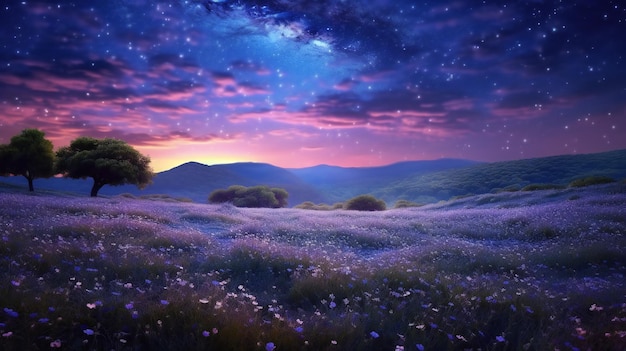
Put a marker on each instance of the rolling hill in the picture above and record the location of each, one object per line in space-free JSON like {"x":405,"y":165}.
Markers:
{"x":339,"y":183}
{"x":419,"y":181}
{"x":508,"y":175}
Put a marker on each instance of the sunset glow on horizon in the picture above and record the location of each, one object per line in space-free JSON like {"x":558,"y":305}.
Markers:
{"x":302,"y":83}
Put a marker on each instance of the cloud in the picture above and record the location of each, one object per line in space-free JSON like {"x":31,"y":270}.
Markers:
{"x":249,"y":66}
{"x":396,"y":112}
{"x":225,"y":85}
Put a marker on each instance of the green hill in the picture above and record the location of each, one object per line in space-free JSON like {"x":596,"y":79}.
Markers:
{"x":508,"y":175}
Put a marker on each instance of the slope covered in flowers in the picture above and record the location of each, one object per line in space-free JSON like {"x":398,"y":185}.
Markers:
{"x":523,"y":271}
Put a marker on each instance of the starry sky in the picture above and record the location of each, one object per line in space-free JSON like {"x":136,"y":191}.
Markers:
{"x":300,"y":83}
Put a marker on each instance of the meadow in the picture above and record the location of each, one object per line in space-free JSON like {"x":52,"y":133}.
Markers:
{"x":541,"y":270}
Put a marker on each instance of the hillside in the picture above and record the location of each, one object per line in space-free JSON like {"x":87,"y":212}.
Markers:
{"x":339,"y":183}
{"x":493,"y":177}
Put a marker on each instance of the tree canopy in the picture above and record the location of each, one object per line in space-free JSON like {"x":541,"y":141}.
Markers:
{"x":107,"y":161}
{"x":29,"y":154}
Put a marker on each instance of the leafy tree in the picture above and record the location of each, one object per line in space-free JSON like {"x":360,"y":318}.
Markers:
{"x":107,"y":161}
{"x":28,"y":154}
{"x":365,"y":203}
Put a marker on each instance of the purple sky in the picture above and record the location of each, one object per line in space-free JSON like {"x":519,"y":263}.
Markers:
{"x":300,"y":83}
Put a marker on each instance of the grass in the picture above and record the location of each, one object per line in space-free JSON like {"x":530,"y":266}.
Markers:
{"x":542,"y":272}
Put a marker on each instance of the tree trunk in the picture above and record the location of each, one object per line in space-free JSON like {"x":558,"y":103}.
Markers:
{"x":95,"y":188}
{"x":31,"y":188}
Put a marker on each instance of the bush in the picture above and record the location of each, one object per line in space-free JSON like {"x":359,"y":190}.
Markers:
{"x":535,"y":187}
{"x":308,"y":205}
{"x":593,"y":180}
{"x":256,"y":196}
{"x":507,"y":189}
{"x":406,"y":204}
{"x":337,"y":206}
{"x":281,"y":196}
{"x":365,"y":203}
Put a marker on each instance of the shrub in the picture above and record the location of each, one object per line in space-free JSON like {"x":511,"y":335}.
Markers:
{"x":256,"y":196}
{"x":593,"y":180}
{"x":281,"y":196}
{"x":406,"y":204}
{"x":365,"y":203}
{"x":308,"y":205}
{"x":535,"y":187}
{"x":337,"y":206}
{"x":507,"y":189}
{"x":459,"y":197}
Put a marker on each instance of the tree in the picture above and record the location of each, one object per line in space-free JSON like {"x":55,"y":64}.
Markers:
{"x":107,"y":161}
{"x":4,"y":160}
{"x":29,"y":154}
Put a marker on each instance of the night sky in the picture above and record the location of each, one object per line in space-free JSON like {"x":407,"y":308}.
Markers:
{"x":300,"y":83}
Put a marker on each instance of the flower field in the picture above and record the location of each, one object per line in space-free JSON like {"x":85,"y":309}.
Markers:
{"x":540,"y":270}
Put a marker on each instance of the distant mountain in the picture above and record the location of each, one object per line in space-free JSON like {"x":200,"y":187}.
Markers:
{"x":194,"y":181}
{"x":419,"y":181}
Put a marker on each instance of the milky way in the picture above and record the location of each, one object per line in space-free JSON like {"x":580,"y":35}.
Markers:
{"x":299,"y":83}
